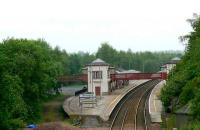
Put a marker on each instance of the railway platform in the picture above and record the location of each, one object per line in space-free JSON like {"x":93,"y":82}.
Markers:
{"x":155,"y":104}
{"x":105,"y":104}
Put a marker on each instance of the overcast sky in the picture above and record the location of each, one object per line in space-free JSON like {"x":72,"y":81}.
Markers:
{"x":83,"y":25}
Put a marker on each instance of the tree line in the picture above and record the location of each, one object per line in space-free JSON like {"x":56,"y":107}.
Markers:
{"x":142,"y":61}
{"x":29,"y":69}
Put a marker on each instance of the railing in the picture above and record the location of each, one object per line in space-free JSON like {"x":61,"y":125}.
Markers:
{"x":87,"y":98}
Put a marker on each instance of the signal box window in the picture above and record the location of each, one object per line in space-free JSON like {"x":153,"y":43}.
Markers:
{"x":97,"y":74}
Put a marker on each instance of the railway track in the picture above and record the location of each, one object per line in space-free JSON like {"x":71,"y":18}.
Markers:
{"x":130,"y":113}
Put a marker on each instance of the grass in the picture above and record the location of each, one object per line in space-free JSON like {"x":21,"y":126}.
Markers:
{"x":54,"y":115}
{"x":52,"y":109}
{"x":170,"y":122}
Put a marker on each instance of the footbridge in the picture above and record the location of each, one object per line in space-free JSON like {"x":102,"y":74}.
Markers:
{"x":115,"y":77}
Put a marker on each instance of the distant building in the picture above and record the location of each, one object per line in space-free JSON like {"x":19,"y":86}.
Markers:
{"x":168,"y":66}
{"x":99,"y":77}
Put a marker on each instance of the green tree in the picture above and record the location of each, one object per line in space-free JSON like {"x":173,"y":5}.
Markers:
{"x":184,"y":84}
{"x":28,"y":73}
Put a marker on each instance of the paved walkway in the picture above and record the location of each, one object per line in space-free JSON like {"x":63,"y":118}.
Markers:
{"x":105,"y":104}
{"x":155,"y":104}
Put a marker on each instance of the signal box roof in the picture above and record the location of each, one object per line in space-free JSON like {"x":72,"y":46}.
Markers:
{"x":98,"y":62}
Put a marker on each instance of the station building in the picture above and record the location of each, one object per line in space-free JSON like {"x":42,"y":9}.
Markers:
{"x":98,"y":73}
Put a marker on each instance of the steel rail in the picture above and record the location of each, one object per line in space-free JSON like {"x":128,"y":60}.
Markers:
{"x":122,"y":127}
{"x":144,"y":111}
{"x":134,"y":90}
{"x":145,"y":120}
{"x":145,"y":114}
{"x":136,"y":114}
{"x":127,"y":98}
